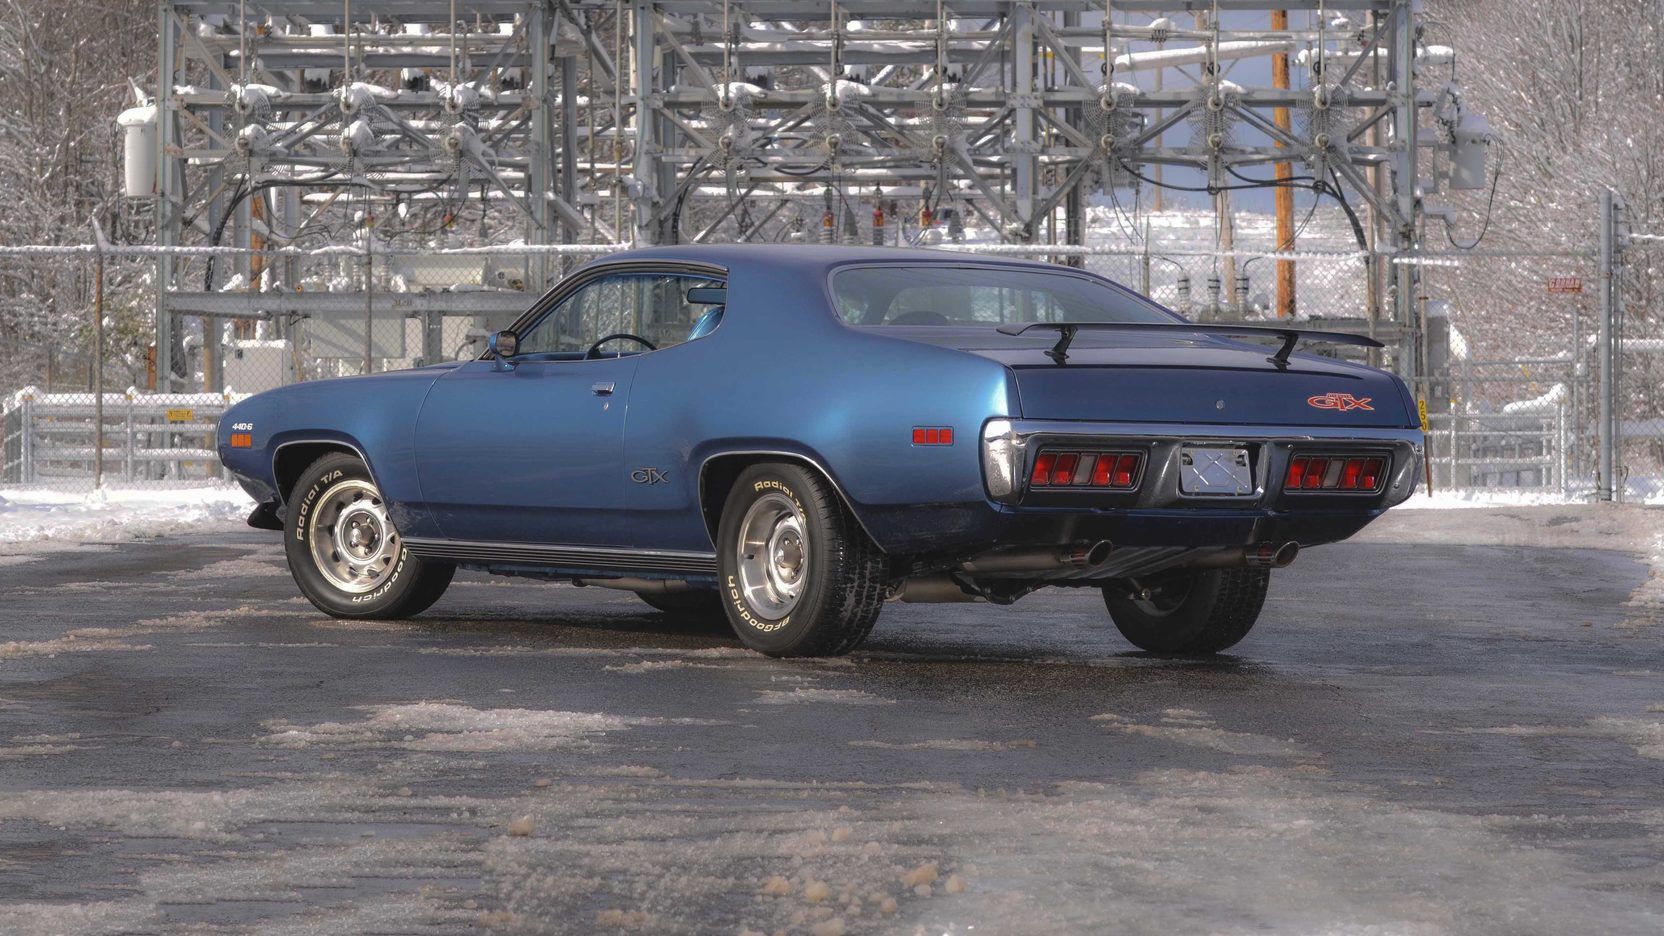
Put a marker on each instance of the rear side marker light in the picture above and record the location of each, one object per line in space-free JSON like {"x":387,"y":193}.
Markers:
{"x":1356,"y":474}
{"x":932,"y":435}
{"x":1111,"y":470}
{"x":242,"y":440}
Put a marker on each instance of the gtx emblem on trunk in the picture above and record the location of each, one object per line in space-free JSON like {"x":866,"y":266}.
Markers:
{"x":1340,"y":401}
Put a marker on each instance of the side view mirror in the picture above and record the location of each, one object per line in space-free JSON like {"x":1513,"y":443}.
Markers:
{"x":503,"y":344}
{"x":708,"y":295}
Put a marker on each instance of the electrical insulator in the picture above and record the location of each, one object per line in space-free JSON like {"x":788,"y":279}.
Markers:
{"x":1242,"y":290}
{"x":878,"y":222}
{"x":852,"y":227}
{"x":1183,"y":289}
{"x":1213,"y":294}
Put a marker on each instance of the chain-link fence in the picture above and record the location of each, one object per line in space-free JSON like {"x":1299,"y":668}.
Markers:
{"x":1510,"y":344}
{"x":1510,"y":353}
{"x":148,"y":415}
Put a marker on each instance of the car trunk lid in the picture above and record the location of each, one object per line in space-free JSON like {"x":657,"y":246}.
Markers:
{"x":1179,"y":377}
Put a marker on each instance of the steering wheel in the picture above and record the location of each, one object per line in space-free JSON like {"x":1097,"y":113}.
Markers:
{"x":595,"y":348}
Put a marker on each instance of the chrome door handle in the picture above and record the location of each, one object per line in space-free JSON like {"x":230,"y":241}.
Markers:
{"x":601,"y":388}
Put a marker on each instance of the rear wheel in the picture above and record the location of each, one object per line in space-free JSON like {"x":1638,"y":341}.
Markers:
{"x":1188,"y":612}
{"x":344,"y":552}
{"x":799,"y":576}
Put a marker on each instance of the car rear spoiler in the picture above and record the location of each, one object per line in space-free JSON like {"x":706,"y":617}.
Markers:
{"x":1288,"y":336}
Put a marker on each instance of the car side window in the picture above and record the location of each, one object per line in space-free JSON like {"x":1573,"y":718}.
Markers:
{"x":651,"y":305}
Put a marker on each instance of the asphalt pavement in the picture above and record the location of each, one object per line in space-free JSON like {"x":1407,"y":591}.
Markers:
{"x":1452,"y":724}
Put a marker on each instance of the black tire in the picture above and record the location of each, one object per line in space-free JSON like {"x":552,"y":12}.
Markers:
{"x":1189,"y":613}
{"x":691,"y":604}
{"x":841,"y":588}
{"x":398,"y":585}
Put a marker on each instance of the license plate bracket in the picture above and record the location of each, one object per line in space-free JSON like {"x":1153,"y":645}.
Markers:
{"x":1215,"y":471}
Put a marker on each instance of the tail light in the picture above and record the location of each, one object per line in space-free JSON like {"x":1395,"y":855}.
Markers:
{"x":1349,"y":474}
{"x":1114,"y":471}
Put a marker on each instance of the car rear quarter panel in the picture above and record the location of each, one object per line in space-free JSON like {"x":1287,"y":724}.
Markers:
{"x":783,"y":375}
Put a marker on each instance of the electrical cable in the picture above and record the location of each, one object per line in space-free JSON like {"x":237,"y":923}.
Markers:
{"x":1290,"y":182}
{"x":1490,"y":203}
{"x":1346,"y":206}
{"x":1208,"y":189}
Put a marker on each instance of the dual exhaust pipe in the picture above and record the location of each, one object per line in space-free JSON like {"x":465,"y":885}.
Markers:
{"x":1080,"y":561}
{"x":1257,"y":556}
{"x":1072,"y":560}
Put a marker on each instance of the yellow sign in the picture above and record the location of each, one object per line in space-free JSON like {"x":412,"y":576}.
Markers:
{"x":181,"y":415}
{"x":1421,"y":410}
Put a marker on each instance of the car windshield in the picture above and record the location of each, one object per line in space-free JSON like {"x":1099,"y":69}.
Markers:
{"x":945,"y":294}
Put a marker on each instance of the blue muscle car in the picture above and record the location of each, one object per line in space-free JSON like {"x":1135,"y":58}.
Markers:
{"x":790,"y":436}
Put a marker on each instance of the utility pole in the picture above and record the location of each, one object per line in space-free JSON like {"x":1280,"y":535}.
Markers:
{"x":1611,"y":286}
{"x":1284,"y":173}
{"x":98,"y":362}
{"x":1401,"y":71}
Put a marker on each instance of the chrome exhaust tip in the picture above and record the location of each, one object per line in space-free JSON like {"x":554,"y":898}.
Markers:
{"x":1271,"y":555}
{"x":1042,"y":562}
{"x":1090,"y":555}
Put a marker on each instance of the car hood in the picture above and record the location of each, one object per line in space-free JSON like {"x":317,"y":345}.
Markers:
{"x":1138,"y":377}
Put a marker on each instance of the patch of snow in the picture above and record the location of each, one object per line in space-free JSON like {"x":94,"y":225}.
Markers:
{"x":802,"y":694}
{"x":948,"y":744}
{"x":1469,"y":498}
{"x":233,"y":569}
{"x":452,"y":727}
{"x":1187,"y":726}
{"x":1645,"y":735}
{"x":33,"y":516}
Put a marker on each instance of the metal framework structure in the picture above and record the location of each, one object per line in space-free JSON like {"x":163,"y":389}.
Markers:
{"x":395,"y":127}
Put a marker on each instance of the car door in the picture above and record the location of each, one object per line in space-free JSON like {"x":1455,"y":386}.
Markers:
{"x":667,"y":425}
{"x":531,"y":449}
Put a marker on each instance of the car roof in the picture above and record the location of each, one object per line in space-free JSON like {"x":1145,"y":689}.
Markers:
{"x":813,"y":257}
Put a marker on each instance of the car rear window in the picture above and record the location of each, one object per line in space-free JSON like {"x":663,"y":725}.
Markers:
{"x":945,"y":294}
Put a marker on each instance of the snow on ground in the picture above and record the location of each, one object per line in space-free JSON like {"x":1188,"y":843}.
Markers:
{"x":43,"y":516}
{"x":452,"y":727}
{"x":1499,"y":497}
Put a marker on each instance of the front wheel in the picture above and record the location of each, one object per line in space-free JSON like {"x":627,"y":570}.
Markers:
{"x":343,"y":551}
{"x":798,"y":575}
{"x":1198,"y":611}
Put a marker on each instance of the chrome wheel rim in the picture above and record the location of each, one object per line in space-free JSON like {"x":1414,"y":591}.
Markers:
{"x":772,"y":556}
{"x":352,"y":540}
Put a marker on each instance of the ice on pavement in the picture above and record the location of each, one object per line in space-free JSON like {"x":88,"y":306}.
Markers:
{"x":1274,"y":848}
{"x":1643,"y":734}
{"x":803,"y":694}
{"x":30,"y":515}
{"x":90,"y":639}
{"x":449,"y":726}
{"x":948,"y":744}
{"x":1195,"y":728}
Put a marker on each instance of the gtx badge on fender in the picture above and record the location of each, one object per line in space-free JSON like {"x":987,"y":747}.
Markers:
{"x":1340,"y":401}
{"x":649,"y":476}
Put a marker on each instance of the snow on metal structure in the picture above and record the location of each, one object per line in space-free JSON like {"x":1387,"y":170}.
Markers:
{"x":402,"y":126}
